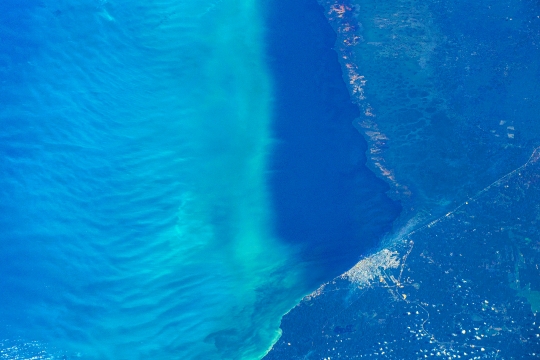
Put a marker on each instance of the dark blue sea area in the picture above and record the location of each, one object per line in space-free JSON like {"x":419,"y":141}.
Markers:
{"x":326,"y":199}
{"x":174,"y":176}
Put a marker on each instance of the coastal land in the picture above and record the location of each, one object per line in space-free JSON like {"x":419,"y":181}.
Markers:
{"x":447,"y":96}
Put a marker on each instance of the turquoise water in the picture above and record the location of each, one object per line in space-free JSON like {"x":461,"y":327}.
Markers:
{"x":139,"y":137}
{"x":137,"y":219}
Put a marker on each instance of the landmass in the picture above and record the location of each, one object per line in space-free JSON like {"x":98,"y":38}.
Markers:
{"x":448,"y":94}
{"x":465,"y":285}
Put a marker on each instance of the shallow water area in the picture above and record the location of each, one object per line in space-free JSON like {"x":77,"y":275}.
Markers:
{"x":176,"y":176}
{"x":135,"y":211}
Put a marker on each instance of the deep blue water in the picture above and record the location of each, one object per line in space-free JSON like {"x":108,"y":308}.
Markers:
{"x":174,"y":177}
{"x":325,"y":197}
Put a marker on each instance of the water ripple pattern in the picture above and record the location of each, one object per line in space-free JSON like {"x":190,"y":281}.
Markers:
{"x":133,"y":206}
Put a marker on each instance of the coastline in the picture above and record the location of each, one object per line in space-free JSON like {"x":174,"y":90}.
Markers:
{"x":418,"y":290}
{"x":394,"y":62}
{"x":327,"y":202}
{"x":343,"y":17}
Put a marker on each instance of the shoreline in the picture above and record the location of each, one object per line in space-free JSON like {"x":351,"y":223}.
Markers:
{"x":327,"y":200}
{"x":341,"y":18}
{"x":375,"y":168}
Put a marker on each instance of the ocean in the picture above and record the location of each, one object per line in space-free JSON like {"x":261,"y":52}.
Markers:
{"x":175,"y":176}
